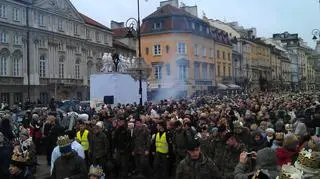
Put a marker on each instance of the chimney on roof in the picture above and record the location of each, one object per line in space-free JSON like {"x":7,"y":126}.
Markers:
{"x":191,"y":9}
{"x":117,"y":25}
{"x":174,"y":3}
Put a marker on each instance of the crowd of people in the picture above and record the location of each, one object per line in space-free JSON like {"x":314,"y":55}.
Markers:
{"x":206,"y":137}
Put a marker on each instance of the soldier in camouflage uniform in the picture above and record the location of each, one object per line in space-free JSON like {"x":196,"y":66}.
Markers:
{"x":196,"y":165}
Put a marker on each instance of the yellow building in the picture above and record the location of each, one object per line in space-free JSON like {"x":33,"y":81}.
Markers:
{"x":181,"y":50}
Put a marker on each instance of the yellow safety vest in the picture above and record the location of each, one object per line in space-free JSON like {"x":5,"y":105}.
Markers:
{"x":161,"y":143}
{"x":83,"y":139}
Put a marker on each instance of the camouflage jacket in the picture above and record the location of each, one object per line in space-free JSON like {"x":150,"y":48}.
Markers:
{"x":202,"y":168}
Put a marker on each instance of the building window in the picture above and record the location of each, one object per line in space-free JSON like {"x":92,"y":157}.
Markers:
{"x":3,"y":11}
{"x":182,"y":69}
{"x":204,"y":51}
{"x":105,"y":39}
{"x":157,"y":25}
{"x":218,"y":54}
{"x":60,"y":46}
{"x":223,"y":55}
{"x":3,"y":37}
{"x":211,"y":71}
{"x":229,"y":70}
{"x":182,"y":48}
{"x":168,"y":71}
{"x":204,"y":71}
{"x":44,"y":97}
{"x":157,"y":50}
{"x":77,"y":69}
{"x":147,"y":51}
{"x":224,"y":70}
{"x":16,"y":66}
{"x":17,"y":98}
{"x":211,"y":52}
{"x":16,"y":14}
{"x":229,"y":56}
{"x":88,"y":34}
{"x":61,"y":67}
{"x":218,"y":70}
{"x":16,"y":40}
{"x":196,"y":71}
{"x":43,"y":66}
{"x":5,"y":98}
{"x":97,"y":36}
{"x":75,"y":29}
{"x":200,"y":28}
{"x":195,"y":50}
{"x":157,"y":69}
{"x":41,"y":20}
{"x":208,"y":30}
{"x":193,"y":25}
{"x":3,"y":66}
{"x":167,"y":48}
{"x":60,"y":25}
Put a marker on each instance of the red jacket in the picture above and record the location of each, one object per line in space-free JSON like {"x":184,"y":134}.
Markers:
{"x":285,"y":156}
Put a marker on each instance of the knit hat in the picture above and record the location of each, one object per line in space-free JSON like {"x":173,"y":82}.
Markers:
{"x":96,"y":171}
{"x":290,"y":142}
{"x":64,"y":144}
{"x":301,"y":129}
{"x":266,"y":158}
{"x":270,"y":130}
{"x":192,"y":144}
{"x":100,"y":124}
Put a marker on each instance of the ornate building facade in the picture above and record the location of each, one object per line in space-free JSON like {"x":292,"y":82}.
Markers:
{"x":64,"y":47}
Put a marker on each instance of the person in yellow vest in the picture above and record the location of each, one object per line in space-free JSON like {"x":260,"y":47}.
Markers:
{"x":162,"y":148}
{"x":82,"y":138}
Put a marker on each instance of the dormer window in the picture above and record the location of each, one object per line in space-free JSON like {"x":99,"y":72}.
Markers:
{"x":157,"y":25}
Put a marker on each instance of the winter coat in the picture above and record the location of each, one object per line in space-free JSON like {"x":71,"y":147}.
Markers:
{"x":99,"y":145}
{"x":122,"y":140}
{"x":285,"y":156}
{"x":71,"y":166}
{"x":179,"y":143}
{"x":5,"y":157}
{"x":141,"y":140}
{"x":202,"y":168}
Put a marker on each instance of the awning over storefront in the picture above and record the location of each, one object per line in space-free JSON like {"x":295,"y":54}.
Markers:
{"x":222,"y":86}
{"x":233,"y":86}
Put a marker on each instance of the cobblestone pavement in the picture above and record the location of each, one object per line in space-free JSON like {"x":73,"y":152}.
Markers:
{"x":42,"y":168}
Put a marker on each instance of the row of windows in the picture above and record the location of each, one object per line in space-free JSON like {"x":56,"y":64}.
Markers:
{"x":181,"y":69}
{"x":16,"y":39}
{"x":61,"y":70}
{"x":182,"y":50}
{"x":223,"y":55}
{"x":4,"y":66}
{"x":17,"y":98}
{"x":16,"y":15}
{"x":224,"y":70}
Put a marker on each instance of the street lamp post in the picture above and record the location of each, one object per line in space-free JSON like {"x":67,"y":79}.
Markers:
{"x":141,"y":67}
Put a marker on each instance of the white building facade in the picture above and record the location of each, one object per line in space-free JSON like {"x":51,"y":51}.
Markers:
{"x":65,"y":47}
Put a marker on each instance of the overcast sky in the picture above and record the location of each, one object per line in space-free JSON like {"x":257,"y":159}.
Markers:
{"x":268,"y":16}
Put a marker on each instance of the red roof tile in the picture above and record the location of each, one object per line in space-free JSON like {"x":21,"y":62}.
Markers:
{"x":92,"y":22}
{"x":120,"y":32}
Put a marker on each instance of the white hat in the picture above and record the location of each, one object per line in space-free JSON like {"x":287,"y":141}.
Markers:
{"x":270,"y":130}
{"x":100,"y":124}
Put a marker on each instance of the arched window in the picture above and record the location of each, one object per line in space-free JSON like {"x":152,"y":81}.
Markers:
{"x":77,"y":69}
{"x":3,"y":66}
{"x":61,"y":67}
{"x":4,"y":54}
{"x":43,"y":66}
{"x":16,"y":61}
